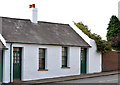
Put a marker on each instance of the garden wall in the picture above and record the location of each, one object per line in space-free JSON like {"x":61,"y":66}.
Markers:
{"x":111,"y":61}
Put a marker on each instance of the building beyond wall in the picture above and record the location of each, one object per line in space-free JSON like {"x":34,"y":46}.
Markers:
{"x":119,"y":10}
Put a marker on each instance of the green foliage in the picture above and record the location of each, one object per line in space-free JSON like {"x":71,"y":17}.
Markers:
{"x":113,"y":29}
{"x":115,"y":43}
{"x":113,"y":33}
{"x":102,"y":45}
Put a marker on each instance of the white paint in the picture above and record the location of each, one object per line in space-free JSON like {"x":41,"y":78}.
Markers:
{"x":2,"y":40}
{"x":6,"y":65}
{"x":94,"y":59}
{"x":94,"y":64}
{"x":30,"y":56}
{"x":34,"y":18}
{"x":119,"y":10}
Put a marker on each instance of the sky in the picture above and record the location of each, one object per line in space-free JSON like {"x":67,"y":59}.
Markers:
{"x":93,"y":13}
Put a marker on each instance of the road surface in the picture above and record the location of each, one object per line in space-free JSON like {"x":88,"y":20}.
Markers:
{"x":103,"y":79}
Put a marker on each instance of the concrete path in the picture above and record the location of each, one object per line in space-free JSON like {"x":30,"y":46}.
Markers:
{"x":51,"y":80}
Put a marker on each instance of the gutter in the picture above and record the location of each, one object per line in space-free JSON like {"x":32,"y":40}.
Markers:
{"x":50,"y":44}
{"x":10,"y":60}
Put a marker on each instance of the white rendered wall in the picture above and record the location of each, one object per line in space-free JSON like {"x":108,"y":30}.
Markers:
{"x":6,"y":65}
{"x":30,"y":64}
{"x":94,"y":59}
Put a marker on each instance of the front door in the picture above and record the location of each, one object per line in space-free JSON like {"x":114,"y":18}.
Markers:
{"x":83,"y":60}
{"x":16,"y":63}
{"x":1,"y":64}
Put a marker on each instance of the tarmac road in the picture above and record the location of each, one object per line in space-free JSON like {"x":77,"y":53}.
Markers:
{"x":102,"y":79}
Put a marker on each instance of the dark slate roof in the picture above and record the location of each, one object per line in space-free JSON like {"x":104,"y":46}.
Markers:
{"x":44,"y":33}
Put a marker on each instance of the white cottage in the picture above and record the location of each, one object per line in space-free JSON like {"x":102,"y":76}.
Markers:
{"x":39,"y":50}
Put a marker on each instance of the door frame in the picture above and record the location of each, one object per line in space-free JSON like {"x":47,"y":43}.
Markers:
{"x":20,"y":64}
{"x":85,"y":68}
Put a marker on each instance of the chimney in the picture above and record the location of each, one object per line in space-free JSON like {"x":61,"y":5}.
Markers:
{"x":34,"y":13}
{"x":119,"y":10}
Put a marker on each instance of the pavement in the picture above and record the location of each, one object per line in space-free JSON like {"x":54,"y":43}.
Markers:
{"x":59,"y":79}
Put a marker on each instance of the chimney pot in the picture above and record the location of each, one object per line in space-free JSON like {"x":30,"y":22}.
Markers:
{"x":34,"y":13}
{"x":30,"y":6}
{"x":33,"y":5}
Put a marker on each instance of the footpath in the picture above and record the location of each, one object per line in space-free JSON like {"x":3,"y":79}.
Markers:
{"x":53,"y":80}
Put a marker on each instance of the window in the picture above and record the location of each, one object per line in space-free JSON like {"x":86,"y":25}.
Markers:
{"x":41,"y":59}
{"x":64,"y":56}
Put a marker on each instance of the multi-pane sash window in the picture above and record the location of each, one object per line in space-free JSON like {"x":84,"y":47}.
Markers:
{"x":41,"y":58}
{"x":64,"y":56}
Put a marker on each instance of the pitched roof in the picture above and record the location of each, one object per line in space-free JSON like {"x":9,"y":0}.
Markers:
{"x":44,"y":33}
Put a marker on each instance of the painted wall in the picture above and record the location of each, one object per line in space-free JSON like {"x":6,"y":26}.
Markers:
{"x":0,"y":65}
{"x":6,"y":65}
{"x":94,"y":59}
{"x":30,"y":64}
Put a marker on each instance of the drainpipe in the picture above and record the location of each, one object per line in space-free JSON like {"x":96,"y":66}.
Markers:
{"x":10,"y":60}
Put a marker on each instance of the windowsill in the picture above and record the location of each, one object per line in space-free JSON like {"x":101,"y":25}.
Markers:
{"x":42,"y":69}
{"x":66,"y":67}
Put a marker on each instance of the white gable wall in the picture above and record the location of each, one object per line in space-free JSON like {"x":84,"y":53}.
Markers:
{"x":30,"y":64}
{"x":94,"y":59}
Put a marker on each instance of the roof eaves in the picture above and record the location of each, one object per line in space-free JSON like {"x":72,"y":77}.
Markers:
{"x":51,"y":44}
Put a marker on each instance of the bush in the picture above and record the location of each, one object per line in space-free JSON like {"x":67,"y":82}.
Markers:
{"x":102,"y":45}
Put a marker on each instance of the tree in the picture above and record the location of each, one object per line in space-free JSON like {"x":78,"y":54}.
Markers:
{"x":102,"y":45}
{"x":113,"y":29}
{"x":115,"y":43}
{"x":113,"y":32}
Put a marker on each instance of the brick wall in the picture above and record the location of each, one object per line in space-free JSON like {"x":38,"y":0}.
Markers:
{"x":111,"y":61}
